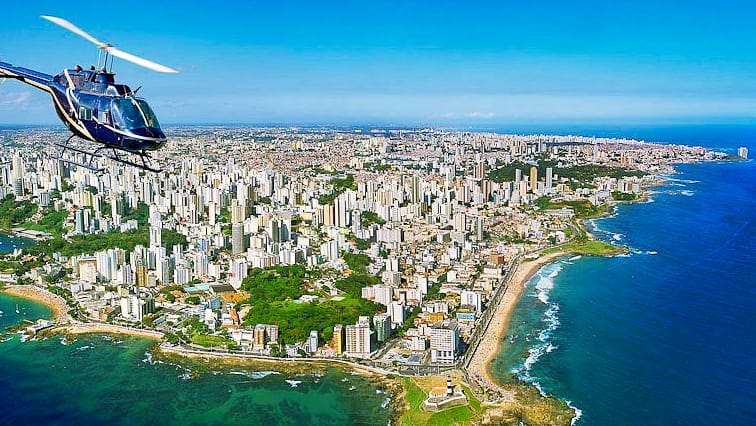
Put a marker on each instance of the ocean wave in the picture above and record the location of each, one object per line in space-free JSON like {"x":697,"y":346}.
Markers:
{"x":678,"y":180}
{"x":578,"y":412}
{"x":685,"y":192}
{"x":293,"y":383}
{"x":147,"y":358}
{"x":85,"y":348}
{"x":550,"y":317}
{"x":545,"y":282}
{"x":254,"y":374}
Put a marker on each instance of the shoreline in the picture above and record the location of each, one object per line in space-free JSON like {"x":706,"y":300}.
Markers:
{"x":56,"y":304}
{"x":490,"y":346}
{"x":100,"y":328}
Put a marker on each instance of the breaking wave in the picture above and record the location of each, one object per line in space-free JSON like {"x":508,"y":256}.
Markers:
{"x":254,"y":374}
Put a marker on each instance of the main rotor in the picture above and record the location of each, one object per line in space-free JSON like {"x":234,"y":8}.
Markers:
{"x":109,"y":49}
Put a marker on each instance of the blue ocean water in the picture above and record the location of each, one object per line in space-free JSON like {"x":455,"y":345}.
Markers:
{"x":99,"y":379}
{"x":8,"y":243}
{"x":666,"y":335}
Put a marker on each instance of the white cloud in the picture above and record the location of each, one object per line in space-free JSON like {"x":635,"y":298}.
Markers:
{"x":478,"y":114}
{"x":14,"y":99}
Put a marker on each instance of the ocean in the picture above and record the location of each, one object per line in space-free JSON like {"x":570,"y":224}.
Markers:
{"x":99,"y":379}
{"x":8,"y":243}
{"x":667,"y":334}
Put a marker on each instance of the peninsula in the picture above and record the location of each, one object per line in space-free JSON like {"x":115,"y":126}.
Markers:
{"x":395,"y":253}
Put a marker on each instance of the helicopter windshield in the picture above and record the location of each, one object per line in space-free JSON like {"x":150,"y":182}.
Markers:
{"x":130,"y":113}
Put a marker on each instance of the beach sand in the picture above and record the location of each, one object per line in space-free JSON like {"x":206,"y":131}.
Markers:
{"x":99,"y":328}
{"x":38,"y":294}
{"x":490,"y":345}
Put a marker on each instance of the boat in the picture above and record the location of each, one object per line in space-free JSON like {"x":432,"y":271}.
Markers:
{"x":17,"y":311}
{"x":293,"y":383}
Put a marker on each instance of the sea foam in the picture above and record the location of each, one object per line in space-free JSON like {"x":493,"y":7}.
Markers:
{"x":254,"y":374}
{"x":578,"y":412}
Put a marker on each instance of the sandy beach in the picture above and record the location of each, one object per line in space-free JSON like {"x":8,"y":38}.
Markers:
{"x":490,"y":345}
{"x":38,"y":294}
{"x":100,"y":328}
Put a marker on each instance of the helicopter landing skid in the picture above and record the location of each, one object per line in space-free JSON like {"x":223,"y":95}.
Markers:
{"x":141,"y":154}
{"x":91,"y":156}
{"x":87,"y":164}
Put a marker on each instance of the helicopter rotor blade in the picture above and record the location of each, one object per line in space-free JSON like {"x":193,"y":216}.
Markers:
{"x":73,"y":28}
{"x":139,"y":61}
{"x":107,"y":47}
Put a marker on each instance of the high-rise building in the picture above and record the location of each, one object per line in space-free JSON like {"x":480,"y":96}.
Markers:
{"x":338,"y":338}
{"x":155,"y":236}
{"x":238,"y":211}
{"x":533,"y":179}
{"x":444,"y":342}
{"x":460,"y":222}
{"x":470,"y":298}
{"x":19,"y":170}
{"x":549,"y":177}
{"x":358,"y":339}
{"x":743,"y":152}
{"x":382,"y":325}
{"x":479,"y":173}
{"x":141,"y":274}
{"x":238,"y":245}
{"x":79,"y":221}
{"x":201,"y":264}
{"x":238,"y":272}
{"x":18,"y":187}
{"x":44,"y":198}
{"x":311,"y":345}
{"x":396,"y":312}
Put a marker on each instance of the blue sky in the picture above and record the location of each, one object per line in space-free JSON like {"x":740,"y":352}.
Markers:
{"x":405,"y":62}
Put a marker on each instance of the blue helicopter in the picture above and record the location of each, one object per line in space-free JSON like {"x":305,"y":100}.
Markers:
{"x":95,"y":108}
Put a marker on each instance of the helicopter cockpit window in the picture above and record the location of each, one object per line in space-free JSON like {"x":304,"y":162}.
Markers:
{"x":149,"y":115}
{"x":129,"y":113}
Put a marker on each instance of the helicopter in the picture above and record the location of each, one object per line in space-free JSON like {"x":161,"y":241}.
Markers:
{"x":94,"y":108}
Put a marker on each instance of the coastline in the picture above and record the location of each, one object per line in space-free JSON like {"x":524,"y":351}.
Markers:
{"x":490,"y":346}
{"x":100,"y":328}
{"x":54,"y":302}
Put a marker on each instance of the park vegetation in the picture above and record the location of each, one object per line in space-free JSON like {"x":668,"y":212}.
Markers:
{"x":578,"y":175}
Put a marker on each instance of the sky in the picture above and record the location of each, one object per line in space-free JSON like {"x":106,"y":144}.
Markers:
{"x":409,"y":63}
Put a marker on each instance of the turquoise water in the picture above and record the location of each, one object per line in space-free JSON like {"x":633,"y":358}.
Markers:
{"x":665,"y":335}
{"x":99,"y":379}
{"x":8,"y":243}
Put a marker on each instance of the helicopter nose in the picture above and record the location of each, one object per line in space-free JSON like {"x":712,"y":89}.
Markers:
{"x":150,"y":133}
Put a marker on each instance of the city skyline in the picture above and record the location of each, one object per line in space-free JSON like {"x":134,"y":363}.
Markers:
{"x":408,"y":64}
